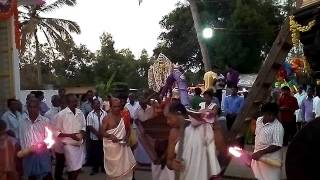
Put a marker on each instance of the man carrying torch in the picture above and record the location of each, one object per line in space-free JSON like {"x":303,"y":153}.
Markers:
{"x":35,"y":155}
{"x":267,"y":156}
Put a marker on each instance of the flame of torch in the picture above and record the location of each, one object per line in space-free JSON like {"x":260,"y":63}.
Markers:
{"x":49,"y":139}
{"x":246,"y":157}
{"x":235,"y":151}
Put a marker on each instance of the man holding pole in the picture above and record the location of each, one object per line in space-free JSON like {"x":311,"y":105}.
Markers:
{"x":268,"y":142}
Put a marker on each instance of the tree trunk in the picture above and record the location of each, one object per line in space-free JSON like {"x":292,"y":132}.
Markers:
{"x":203,"y":46}
{"x":37,"y":57}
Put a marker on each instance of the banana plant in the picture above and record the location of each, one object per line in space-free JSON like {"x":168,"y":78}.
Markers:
{"x":105,"y":89}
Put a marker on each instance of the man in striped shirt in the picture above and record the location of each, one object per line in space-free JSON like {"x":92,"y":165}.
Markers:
{"x":268,"y":142}
{"x":32,"y":133}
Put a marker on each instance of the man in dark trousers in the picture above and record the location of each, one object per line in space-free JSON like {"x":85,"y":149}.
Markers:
{"x":94,"y":120}
{"x":232,"y":106}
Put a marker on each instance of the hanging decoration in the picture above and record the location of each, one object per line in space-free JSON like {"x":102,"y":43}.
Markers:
{"x":158,"y":72}
{"x":9,"y":8}
{"x":297,"y":28}
{"x":296,"y":67}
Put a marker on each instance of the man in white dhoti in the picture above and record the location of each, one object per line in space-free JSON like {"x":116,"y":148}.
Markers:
{"x":199,"y":159}
{"x":71,"y":128}
{"x":268,"y":142}
{"x":118,"y":157}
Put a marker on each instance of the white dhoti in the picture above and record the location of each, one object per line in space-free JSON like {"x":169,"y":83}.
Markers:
{"x":161,"y":174}
{"x":75,"y":156}
{"x":199,"y":153}
{"x":263,"y":171}
{"x":118,"y":158}
{"x":299,"y":115}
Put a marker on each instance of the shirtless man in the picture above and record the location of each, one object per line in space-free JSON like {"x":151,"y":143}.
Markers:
{"x":112,"y":120}
{"x":118,"y":157}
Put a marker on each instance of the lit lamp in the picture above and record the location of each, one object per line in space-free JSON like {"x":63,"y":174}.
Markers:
{"x":207,"y":33}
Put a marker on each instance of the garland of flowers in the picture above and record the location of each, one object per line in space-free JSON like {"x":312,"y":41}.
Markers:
{"x":12,"y":10}
{"x":159,"y":72}
{"x":296,"y":67}
{"x":297,"y":28}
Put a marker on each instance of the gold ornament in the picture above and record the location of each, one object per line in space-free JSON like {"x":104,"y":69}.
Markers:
{"x":296,"y":28}
{"x":159,"y":72}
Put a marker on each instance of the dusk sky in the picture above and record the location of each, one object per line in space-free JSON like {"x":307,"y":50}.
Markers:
{"x":132,"y":26}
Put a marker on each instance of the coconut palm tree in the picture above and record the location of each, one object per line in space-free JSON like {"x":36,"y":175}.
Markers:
{"x":34,"y":26}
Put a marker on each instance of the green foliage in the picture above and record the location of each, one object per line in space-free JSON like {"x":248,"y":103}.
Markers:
{"x":105,"y":89}
{"x":179,"y":40}
{"x":56,"y":32}
{"x":250,"y":27}
{"x":72,"y":65}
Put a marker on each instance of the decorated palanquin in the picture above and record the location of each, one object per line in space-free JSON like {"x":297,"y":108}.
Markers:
{"x":159,"y":72}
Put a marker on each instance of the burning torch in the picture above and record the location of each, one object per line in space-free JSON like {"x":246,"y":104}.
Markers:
{"x":48,"y":142}
{"x":246,"y":156}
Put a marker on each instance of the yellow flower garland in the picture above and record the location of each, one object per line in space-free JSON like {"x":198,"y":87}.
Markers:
{"x":296,"y":28}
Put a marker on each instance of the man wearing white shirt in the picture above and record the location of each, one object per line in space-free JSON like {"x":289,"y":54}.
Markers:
{"x":268,"y":143}
{"x":71,"y":129}
{"x":54,"y":110}
{"x":133,"y":106}
{"x":94,"y":120}
{"x":300,"y":96}
{"x":316,"y":103}
{"x":144,"y":113}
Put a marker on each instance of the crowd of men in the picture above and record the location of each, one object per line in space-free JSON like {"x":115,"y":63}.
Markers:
{"x":99,"y":132}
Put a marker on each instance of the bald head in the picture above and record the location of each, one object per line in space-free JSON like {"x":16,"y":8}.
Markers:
{"x":115,"y":105}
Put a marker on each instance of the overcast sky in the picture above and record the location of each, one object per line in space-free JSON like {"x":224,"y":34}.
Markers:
{"x":132,"y":26}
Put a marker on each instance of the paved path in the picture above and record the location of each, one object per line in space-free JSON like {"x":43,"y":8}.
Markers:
{"x":140,"y":175}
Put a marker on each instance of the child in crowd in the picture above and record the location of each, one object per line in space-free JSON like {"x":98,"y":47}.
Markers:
{"x":10,"y":165}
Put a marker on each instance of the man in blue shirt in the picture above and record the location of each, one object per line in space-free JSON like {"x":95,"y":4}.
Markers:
{"x":232,"y":106}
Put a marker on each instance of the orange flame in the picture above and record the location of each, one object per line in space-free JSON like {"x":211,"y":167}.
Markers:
{"x":49,"y":139}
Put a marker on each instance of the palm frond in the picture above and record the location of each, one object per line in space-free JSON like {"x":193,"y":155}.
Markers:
{"x":58,"y":30}
{"x":68,"y":25}
{"x":53,"y":33}
{"x":50,"y":41}
{"x":58,"y":4}
{"x":27,"y":30}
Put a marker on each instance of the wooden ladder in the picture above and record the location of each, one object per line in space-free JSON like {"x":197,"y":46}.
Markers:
{"x":261,"y":88}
